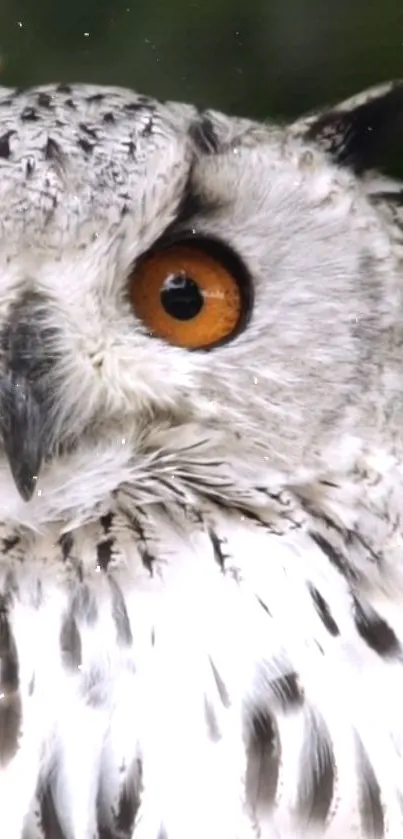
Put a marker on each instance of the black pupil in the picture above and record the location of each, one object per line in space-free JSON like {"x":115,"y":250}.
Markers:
{"x":181,"y":297}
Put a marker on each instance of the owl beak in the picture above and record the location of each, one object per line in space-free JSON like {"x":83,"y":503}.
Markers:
{"x":21,"y":425}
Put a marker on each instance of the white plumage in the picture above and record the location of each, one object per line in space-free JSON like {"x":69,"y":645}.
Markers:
{"x":201,"y":571}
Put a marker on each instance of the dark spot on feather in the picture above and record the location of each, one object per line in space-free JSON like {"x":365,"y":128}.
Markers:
{"x":288,"y":691}
{"x":63,"y":88}
{"x":204,"y":136}
{"x":106,"y":523}
{"x":95,"y":97}
{"x":374,"y":630}
{"x":146,"y":556}
{"x":369,"y":797}
{"x":109,"y":117}
{"x":29,"y":167}
{"x":91,"y":132}
{"x":52,"y":150}
{"x":221,"y":689}
{"x":9,"y":544}
{"x":332,"y":554}
{"x":66,"y":543}
{"x":10,"y":701}
{"x":317,"y":773}
{"x":120,"y":615}
{"x":44,"y":100}
{"x":49,"y":820}
{"x":211,"y":721}
{"x":134,"y":107}
{"x":104,"y":553}
{"x":29,"y":114}
{"x":129,"y":802}
{"x":263,"y":760}
{"x":128,"y":806}
{"x":85,"y":145}
{"x":263,"y":605}
{"x":219,"y":554}
{"x":10,"y":727}
{"x":131,"y":148}
{"x":70,"y":643}
{"x":323,"y":611}
{"x":9,"y":677}
{"x":69,"y":103}
{"x":5,"y":150}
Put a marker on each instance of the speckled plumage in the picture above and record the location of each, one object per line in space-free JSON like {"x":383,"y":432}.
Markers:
{"x":200,"y":605}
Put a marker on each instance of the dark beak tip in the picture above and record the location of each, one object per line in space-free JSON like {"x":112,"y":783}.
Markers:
{"x":25,"y":483}
{"x":26,"y":490}
{"x":22,"y":429}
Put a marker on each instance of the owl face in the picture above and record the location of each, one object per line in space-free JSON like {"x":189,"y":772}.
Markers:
{"x":187,"y":300}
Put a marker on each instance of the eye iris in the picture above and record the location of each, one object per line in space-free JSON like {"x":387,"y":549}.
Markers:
{"x":181,"y":297}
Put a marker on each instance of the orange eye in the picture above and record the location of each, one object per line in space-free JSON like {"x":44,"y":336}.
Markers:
{"x":187,"y":296}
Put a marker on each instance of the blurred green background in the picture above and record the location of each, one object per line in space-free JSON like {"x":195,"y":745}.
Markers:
{"x":254,"y":57}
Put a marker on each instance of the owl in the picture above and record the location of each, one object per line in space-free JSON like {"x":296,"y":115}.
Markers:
{"x":201,"y":470}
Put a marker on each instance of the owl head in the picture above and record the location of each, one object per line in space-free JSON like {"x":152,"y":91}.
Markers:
{"x":188,"y":301}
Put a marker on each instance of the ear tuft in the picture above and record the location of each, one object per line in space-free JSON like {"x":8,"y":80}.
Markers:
{"x":363,"y":131}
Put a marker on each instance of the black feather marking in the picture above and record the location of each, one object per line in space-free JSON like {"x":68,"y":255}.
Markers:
{"x":29,"y":167}
{"x":70,"y":643}
{"x":139,"y":106}
{"x":120,"y":615}
{"x":49,"y":820}
{"x":9,"y":544}
{"x":85,"y":145}
{"x":5,"y":150}
{"x":218,"y":552}
{"x":221,"y":689}
{"x":105,"y":547}
{"x":288,"y":691}
{"x":66,"y":543}
{"x":126,"y":814}
{"x":369,"y":797}
{"x":263,"y":606}
{"x":317,"y":773}
{"x":52,"y":150}
{"x":147,"y":557}
{"x":106,"y":523}
{"x":10,"y":701}
{"x":95,"y":98}
{"x":323,"y":610}
{"x":10,"y":727}
{"x":91,"y":132}
{"x":210,"y":716}
{"x":388,"y":197}
{"x":374,"y":630}
{"x":104,"y":553}
{"x":203,"y":135}
{"x":29,"y":114}
{"x":263,"y":760}
{"x":44,"y":100}
{"x":335,"y":557}
{"x":362,"y":137}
